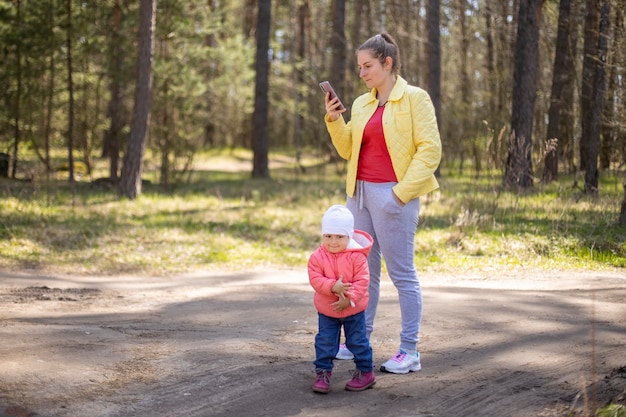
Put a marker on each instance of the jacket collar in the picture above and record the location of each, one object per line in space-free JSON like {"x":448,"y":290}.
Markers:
{"x":396,"y":92}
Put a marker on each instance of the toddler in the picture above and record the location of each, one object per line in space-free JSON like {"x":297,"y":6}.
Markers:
{"x":339,"y":274}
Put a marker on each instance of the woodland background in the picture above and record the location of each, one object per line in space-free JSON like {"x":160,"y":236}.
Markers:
{"x":524,"y":89}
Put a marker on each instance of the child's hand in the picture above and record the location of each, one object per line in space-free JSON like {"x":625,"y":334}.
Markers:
{"x":340,"y":287}
{"x":341,"y":304}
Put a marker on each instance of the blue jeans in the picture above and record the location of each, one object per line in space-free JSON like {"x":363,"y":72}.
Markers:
{"x":327,"y":341}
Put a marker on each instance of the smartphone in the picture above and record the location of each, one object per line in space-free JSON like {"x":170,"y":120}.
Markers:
{"x":327,"y":88}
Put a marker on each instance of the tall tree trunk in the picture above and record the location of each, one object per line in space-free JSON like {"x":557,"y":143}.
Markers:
{"x":498,"y":48}
{"x":551,"y":162}
{"x":130,"y":180}
{"x":492,"y":120}
{"x":589,"y":59}
{"x":610,"y":120}
{"x":504,"y":47}
{"x":338,"y":45}
{"x":112,"y":137}
{"x":620,"y":94}
{"x":50,"y":98}
{"x":301,"y":41}
{"x":70,"y":91}
{"x":434,"y":59}
{"x":361,"y":13}
{"x":420,"y":54}
{"x":568,"y":119}
{"x":596,"y":30}
{"x":519,"y":170}
{"x":260,"y":140}
{"x":465,"y":107}
{"x":18,"y":94}
{"x":591,"y":165}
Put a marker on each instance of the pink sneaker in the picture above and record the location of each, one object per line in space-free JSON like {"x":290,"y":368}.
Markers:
{"x":402,"y":363}
{"x":361,"y":381}
{"x":322,"y":381}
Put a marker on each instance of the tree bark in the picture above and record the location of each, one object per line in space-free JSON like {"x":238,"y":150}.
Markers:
{"x":596,"y":32}
{"x":519,"y":171}
{"x":466,"y":142}
{"x":130,"y":180}
{"x":434,"y":57}
{"x":361,"y":13}
{"x":551,"y":162}
{"x":592,"y":173}
{"x":338,"y":45}
{"x":620,"y":27}
{"x":568,"y":119}
{"x":112,"y":137}
{"x":260,"y":140}
{"x":18,"y":94}
{"x":50,"y":97}
{"x":610,"y":119}
{"x":70,"y":91}
{"x":434,"y":61}
{"x":589,"y":59}
{"x":303,"y":21}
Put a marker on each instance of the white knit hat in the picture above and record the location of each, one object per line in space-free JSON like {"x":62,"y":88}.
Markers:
{"x":338,"y":220}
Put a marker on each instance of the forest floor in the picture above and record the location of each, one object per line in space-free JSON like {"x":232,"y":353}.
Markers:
{"x":513,"y":343}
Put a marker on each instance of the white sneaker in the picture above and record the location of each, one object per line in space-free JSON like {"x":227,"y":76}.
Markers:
{"x":344,"y":353}
{"x":402,"y":363}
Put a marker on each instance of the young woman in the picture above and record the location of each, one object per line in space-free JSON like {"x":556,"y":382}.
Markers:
{"x":393,"y":148}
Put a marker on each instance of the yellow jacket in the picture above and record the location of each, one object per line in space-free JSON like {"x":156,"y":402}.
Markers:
{"x":411,"y":133}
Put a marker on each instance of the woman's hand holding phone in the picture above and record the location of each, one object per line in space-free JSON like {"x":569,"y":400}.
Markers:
{"x":334,"y":106}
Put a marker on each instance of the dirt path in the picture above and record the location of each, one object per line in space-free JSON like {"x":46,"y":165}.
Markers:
{"x":241,"y":345}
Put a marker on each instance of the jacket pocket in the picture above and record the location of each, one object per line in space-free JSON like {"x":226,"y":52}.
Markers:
{"x":403,"y":121}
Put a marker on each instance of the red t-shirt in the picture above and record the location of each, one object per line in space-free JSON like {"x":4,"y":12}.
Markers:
{"x":374,"y":160}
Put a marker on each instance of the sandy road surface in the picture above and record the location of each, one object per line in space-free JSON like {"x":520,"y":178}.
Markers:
{"x":241,"y":345}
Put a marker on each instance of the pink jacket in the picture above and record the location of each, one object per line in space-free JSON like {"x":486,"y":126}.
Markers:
{"x":325,"y":268}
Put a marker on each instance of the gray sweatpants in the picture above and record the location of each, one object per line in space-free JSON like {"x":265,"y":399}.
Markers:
{"x":393,"y":229}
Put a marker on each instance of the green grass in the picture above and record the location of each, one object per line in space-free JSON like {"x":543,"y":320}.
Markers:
{"x":613,"y":410}
{"x":219,"y":218}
